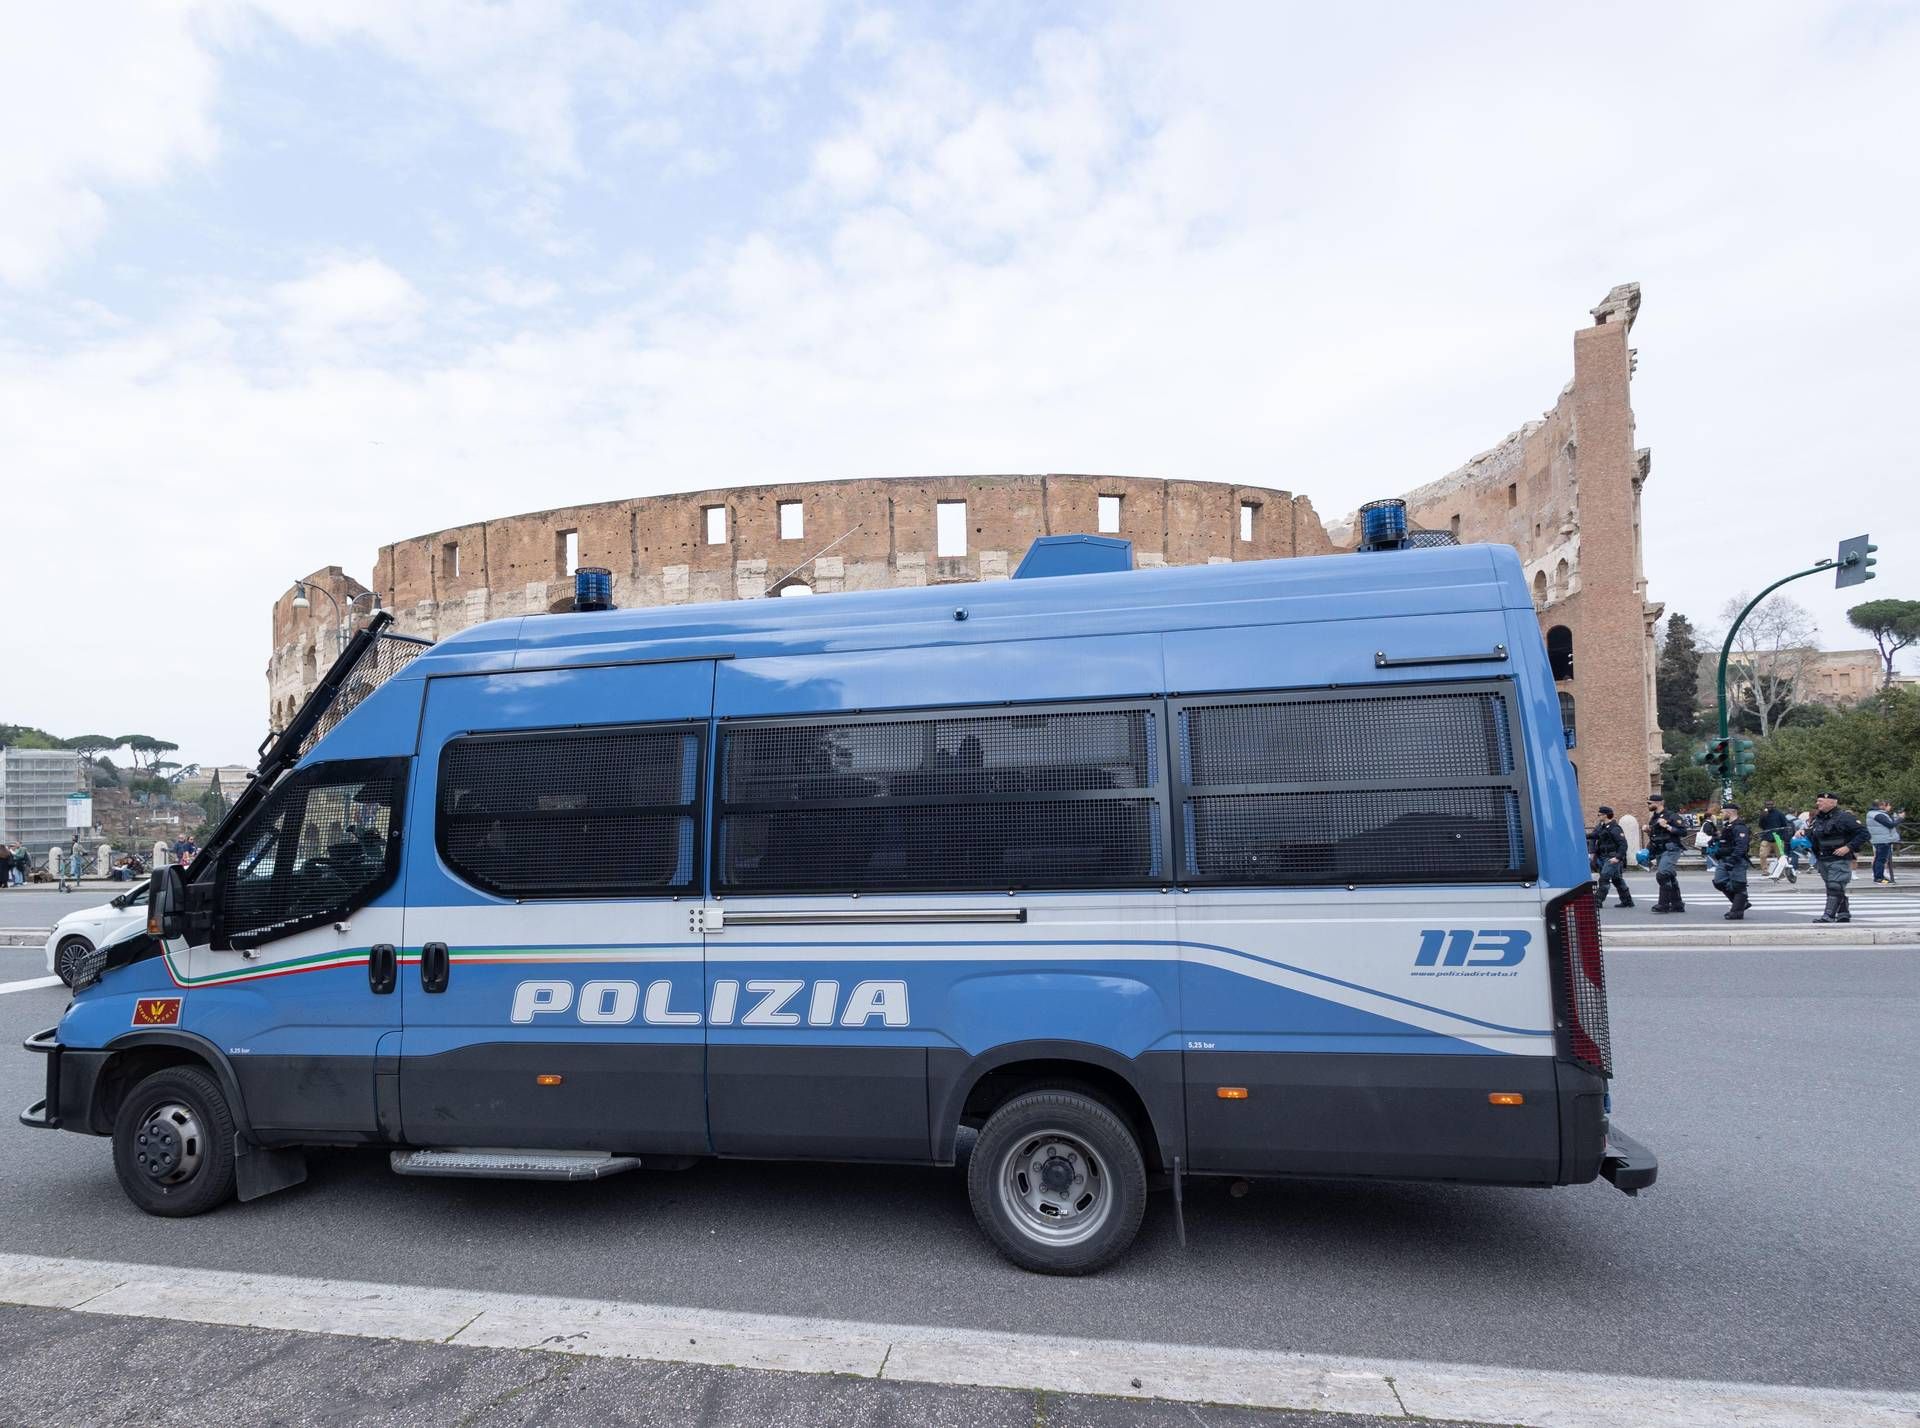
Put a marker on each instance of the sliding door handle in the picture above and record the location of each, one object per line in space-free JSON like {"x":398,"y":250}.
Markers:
{"x":383,"y":969}
{"x":435,"y":967}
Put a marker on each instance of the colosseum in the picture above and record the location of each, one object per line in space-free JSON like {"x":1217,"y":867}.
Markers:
{"x":1563,"y":490}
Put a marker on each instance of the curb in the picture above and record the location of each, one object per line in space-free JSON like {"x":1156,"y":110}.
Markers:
{"x":24,"y":936}
{"x":1634,"y":937}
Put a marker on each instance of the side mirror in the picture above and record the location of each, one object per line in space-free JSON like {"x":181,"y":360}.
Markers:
{"x":166,"y":897}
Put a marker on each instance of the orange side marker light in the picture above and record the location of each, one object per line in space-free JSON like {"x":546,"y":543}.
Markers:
{"x":1231,"y":1093}
{"x":1505,"y":1098}
{"x":547,"y":1080}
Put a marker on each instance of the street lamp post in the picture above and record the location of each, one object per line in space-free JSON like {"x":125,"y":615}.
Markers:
{"x":1853,"y":566}
{"x":343,"y":615}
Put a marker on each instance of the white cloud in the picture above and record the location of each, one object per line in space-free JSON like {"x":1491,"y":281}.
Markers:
{"x":504,"y":289}
{"x":347,"y":295}
{"x":91,"y":102}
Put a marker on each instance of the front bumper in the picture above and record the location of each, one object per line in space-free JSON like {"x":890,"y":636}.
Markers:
{"x":44,"y":1114}
{"x":1629,"y":1165}
{"x":73,"y":1074}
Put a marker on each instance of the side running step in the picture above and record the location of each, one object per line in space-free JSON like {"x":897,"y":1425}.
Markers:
{"x":514,"y":1164}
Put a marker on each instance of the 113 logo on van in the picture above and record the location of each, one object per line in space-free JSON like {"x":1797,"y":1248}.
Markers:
{"x":1467,"y":952}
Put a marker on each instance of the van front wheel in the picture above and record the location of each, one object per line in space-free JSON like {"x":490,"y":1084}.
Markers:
{"x":1057,"y":1182}
{"x":173,"y":1143}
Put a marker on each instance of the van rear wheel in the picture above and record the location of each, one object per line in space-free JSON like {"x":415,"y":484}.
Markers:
{"x":1057,"y":1182}
{"x":173,"y":1143}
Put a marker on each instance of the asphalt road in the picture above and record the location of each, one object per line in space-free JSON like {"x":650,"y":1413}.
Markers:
{"x":1781,"y":1245}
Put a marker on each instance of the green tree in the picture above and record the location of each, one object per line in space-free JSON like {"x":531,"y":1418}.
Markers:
{"x":1894,"y":624}
{"x":1677,"y":678}
{"x":25,"y":736}
{"x":1865,"y":753}
{"x":145,"y":746}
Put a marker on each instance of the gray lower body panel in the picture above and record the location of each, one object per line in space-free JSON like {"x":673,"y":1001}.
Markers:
{"x":1402,"y":1117}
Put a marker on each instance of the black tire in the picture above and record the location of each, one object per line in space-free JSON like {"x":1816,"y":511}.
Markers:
{"x":66,"y":954}
{"x":1045,"y":1159}
{"x":179,"y":1113}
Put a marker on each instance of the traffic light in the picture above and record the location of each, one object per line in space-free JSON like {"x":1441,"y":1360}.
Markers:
{"x":1854,"y":565}
{"x":1742,"y":757}
{"x":1713,"y":758}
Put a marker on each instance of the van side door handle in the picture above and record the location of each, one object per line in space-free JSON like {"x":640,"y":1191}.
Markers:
{"x":434,"y":967}
{"x":383,"y":968}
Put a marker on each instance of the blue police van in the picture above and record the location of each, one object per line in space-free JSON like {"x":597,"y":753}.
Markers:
{"x":1256,"y":869}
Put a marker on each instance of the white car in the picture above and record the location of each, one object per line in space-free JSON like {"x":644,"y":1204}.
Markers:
{"x":78,"y":933}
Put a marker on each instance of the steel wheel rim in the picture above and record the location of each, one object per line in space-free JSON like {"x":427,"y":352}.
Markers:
{"x":170,"y":1146}
{"x":66,"y":958}
{"x":1054,"y":1188}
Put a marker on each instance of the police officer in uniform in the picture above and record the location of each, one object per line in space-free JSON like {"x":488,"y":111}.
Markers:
{"x":1837,"y":838}
{"x":1728,"y":850}
{"x":1610,"y":859}
{"x":1665,"y":838}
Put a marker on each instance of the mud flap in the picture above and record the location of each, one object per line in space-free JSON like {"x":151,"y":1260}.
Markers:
{"x":258,"y":1171}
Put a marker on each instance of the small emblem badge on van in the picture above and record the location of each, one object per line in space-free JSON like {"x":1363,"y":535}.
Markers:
{"x":157,"y":1011}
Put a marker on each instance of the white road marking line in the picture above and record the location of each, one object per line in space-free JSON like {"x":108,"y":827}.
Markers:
{"x":1174,"y":1372}
{"x":32,"y":984}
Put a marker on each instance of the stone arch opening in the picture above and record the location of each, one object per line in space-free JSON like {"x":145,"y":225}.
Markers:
{"x":1562,"y":577}
{"x":794,"y":587}
{"x":1566,"y":717}
{"x":1540,"y":588}
{"x":1560,"y":652}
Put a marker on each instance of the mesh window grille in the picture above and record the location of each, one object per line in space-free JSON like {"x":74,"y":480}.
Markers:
{"x":1361,"y":788}
{"x":385,"y":657}
{"x":959,"y":802}
{"x":606,"y":813}
{"x":1329,"y":742}
{"x":322,"y":845}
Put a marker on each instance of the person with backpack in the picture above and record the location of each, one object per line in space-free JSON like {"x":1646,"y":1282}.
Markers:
{"x":1883,"y":830}
{"x":1776,"y":828}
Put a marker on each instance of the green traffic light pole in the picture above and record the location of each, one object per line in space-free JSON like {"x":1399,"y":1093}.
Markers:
{"x":1848,"y":558}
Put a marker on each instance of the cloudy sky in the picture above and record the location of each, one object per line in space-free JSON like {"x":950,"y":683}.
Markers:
{"x":283,"y":281}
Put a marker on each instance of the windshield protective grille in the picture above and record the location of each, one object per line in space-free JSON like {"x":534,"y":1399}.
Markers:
{"x":379,"y":662}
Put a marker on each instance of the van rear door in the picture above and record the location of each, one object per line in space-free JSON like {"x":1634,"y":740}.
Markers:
{"x":552,"y":984}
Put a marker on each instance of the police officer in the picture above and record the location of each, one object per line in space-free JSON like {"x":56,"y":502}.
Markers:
{"x":1665,"y":837}
{"x":1728,"y":851}
{"x":1609,"y":859}
{"x":1837,"y":838}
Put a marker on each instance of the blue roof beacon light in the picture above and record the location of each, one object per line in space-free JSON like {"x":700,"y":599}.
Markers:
{"x":592,"y":588}
{"x":1383,"y":525}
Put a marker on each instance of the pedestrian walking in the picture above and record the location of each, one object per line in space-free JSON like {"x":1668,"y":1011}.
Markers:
{"x":1776,"y":829}
{"x":1610,"y":859}
{"x":1731,"y":844}
{"x":1883,"y":830}
{"x":1665,"y":838}
{"x":1837,"y":838}
{"x":6,"y":866}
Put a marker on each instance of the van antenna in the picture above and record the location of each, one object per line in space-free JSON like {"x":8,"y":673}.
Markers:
{"x":775,"y":585}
